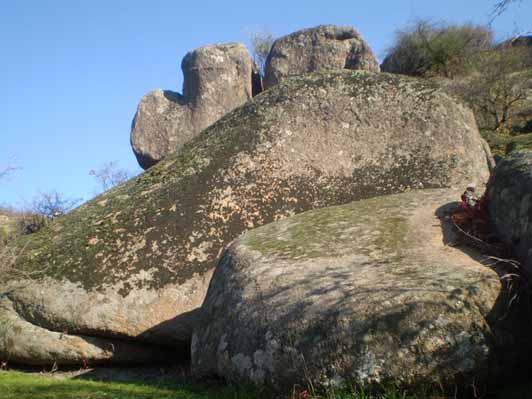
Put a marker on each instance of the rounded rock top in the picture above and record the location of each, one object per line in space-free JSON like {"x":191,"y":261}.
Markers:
{"x":318,"y":49}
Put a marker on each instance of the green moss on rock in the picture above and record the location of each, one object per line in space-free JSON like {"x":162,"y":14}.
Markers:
{"x":327,"y":232}
{"x":362,"y":293}
{"x":145,"y":250}
{"x":108,"y":226}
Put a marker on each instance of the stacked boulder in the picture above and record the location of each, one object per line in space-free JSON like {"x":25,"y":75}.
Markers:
{"x":364,"y":291}
{"x":134,"y":264}
{"x":217,"y":79}
{"x":318,"y":49}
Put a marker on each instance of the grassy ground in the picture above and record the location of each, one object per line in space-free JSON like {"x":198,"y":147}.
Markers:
{"x":20,"y":385}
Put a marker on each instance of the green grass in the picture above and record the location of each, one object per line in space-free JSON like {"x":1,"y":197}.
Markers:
{"x":19,"y":385}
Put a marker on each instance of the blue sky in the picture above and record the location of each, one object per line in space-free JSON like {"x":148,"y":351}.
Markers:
{"x":73,"y":72}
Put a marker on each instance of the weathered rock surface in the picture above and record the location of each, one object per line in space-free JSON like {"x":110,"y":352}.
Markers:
{"x":510,"y":204}
{"x":23,"y":342}
{"x":319,"y":49}
{"x":135,"y":262}
{"x":217,"y":79}
{"x":360,"y":293}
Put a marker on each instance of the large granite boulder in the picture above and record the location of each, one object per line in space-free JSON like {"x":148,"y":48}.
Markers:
{"x":135,"y":262}
{"x":510,"y":205}
{"x":318,"y":49}
{"x":362,"y":293}
{"x":217,"y":79}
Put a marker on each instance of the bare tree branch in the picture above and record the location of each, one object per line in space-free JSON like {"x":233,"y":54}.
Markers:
{"x":261,"y":43}
{"x":110,"y":175}
{"x":500,"y":8}
{"x":7,"y":170}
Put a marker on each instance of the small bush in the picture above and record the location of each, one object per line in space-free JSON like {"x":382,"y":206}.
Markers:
{"x":29,"y":223}
{"x":436,"y":49}
{"x":14,"y":224}
{"x":52,"y":204}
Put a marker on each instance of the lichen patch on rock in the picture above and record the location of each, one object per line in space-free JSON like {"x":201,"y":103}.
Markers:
{"x":366,"y":292}
{"x":155,"y":239}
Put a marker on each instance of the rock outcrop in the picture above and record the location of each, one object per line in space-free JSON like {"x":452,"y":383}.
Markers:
{"x":217,"y":79}
{"x":510,"y":205}
{"x":319,"y":49}
{"x":24,"y":342}
{"x":134,"y":263}
{"x":366,"y":292}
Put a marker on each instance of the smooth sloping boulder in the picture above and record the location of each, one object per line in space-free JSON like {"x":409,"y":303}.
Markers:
{"x":366,"y":292}
{"x":319,"y":49}
{"x":23,"y":342}
{"x":217,"y":79}
{"x":135,"y":262}
{"x":510,"y":205}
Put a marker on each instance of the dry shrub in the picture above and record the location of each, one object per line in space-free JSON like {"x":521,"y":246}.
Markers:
{"x":427,"y":48}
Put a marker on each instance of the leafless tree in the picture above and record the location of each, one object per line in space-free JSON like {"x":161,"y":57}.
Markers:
{"x":502,"y":5}
{"x":8,"y":252}
{"x":16,"y":223}
{"x":261,"y":44}
{"x":500,"y":84}
{"x":8,"y":169}
{"x":52,"y":204}
{"x":110,"y":175}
